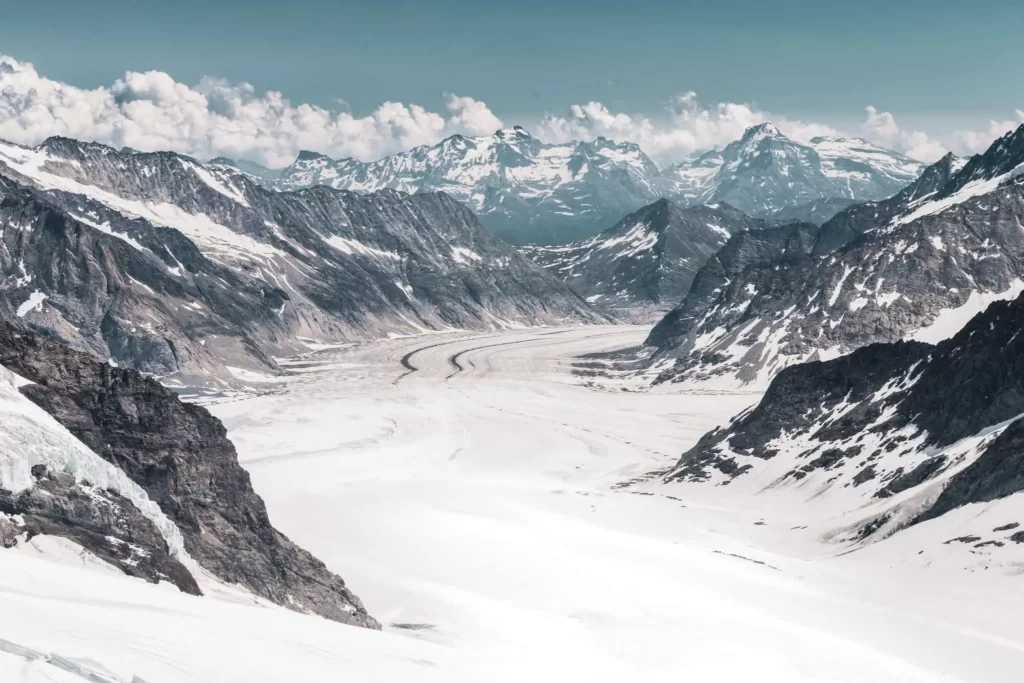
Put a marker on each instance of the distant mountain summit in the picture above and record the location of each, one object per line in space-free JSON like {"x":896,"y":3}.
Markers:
{"x":528,"y":191}
{"x":522,"y":189}
{"x":765,"y":172}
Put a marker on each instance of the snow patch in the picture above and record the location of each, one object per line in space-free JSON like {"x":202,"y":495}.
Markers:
{"x":949,"y":321}
{"x":33,"y":303}
{"x":465,"y":256}
{"x":351,"y":246}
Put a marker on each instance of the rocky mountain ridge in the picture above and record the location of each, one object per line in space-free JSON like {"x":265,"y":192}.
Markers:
{"x":142,"y":481}
{"x":181,"y":269}
{"x":522,"y":189}
{"x":527,"y":191}
{"x":916,"y":267}
{"x":765,"y":172}
{"x":646,"y":263}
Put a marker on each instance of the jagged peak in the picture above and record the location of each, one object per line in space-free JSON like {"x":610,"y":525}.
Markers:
{"x":513,"y":133}
{"x":309,"y":155}
{"x":62,"y":145}
{"x":57,"y":142}
{"x":763,"y":130}
{"x":1011,"y":137}
{"x":1004,"y":157}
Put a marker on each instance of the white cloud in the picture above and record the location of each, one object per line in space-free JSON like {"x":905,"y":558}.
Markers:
{"x":972,"y":142}
{"x":687,"y":127}
{"x":881,"y":127}
{"x":151,"y":111}
{"x":470,"y":116}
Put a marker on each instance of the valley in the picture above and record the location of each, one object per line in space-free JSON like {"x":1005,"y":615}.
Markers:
{"x":480,"y":512}
{"x":290,"y":392}
{"x":470,"y":490}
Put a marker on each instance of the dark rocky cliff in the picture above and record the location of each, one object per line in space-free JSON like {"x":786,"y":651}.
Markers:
{"x":181,"y":456}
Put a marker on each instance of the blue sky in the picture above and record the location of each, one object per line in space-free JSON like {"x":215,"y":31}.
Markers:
{"x":935,"y":65}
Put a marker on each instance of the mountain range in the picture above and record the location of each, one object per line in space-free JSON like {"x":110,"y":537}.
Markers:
{"x":528,"y":191}
{"x":176,"y":268}
{"x":887,"y":437}
{"x":918,"y":265}
{"x":646,"y":263}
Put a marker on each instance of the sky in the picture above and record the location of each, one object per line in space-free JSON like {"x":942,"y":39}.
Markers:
{"x":938,"y":75}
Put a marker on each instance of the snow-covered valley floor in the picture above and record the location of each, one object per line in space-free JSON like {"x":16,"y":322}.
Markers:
{"x":464,"y":487}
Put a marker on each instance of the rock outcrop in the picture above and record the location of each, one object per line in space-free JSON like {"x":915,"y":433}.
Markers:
{"x":181,"y":456}
{"x":648,"y":259}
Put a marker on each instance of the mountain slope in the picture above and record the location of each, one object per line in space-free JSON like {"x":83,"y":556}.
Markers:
{"x":143,"y":481}
{"x":522,"y":189}
{"x":848,"y":223}
{"x":765,"y":172}
{"x":888,"y":436}
{"x":921,"y":270}
{"x":173,"y":267}
{"x":819,"y":211}
{"x":648,"y":259}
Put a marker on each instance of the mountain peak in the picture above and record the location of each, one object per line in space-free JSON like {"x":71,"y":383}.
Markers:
{"x":763,"y":130}
{"x":1004,"y":158}
{"x":513,"y":133}
{"x":1012,"y":142}
{"x":307,"y":155}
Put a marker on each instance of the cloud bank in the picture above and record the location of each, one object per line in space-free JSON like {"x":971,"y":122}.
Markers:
{"x":151,"y":111}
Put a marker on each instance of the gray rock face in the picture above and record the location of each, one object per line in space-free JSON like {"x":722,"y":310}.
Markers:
{"x":765,"y":172}
{"x":522,"y":189}
{"x":100,"y":521}
{"x":649,"y":259}
{"x":818,"y":212}
{"x":745,"y":251}
{"x":175,"y":268}
{"x":181,"y":456}
{"x":997,"y":473}
{"x":889,"y":419}
{"x":920,"y":272}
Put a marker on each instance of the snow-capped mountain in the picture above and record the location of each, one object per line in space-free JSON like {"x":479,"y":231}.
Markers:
{"x":522,"y":189}
{"x":765,"y":172}
{"x":526,"y":191}
{"x":849,"y":222}
{"x":889,"y":436}
{"x":648,"y":260}
{"x":171,"y":266}
{"x":921,"y":266}
{"x":117,"y":465}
